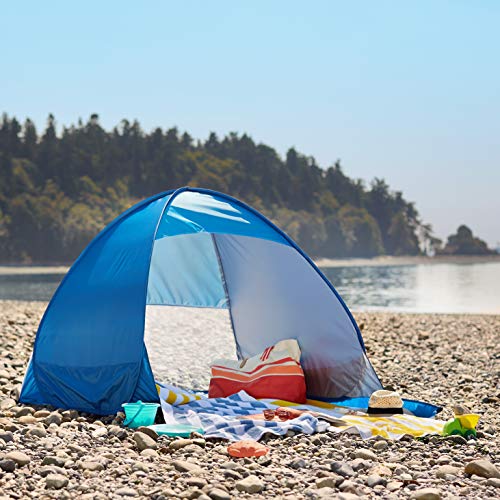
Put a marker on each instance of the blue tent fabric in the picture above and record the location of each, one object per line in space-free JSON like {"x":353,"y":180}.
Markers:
{"x":89,"y":349}
{"x":193,"y":248}
{"x":185,"y":272}
{"x":418,"y":408}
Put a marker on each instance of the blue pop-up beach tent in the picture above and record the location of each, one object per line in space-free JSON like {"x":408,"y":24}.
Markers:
{"x":195,"y":248}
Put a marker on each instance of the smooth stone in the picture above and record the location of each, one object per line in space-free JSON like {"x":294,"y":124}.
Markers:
{"x":148,"y":452}
{"x":446,"y":470}
{"x":100,"y":432}
{"x":365,"y":454}
{"x":426,"y":494}
{"x":482,"y":468}
{"x":493,"y":481}
{"x":126,"y":492}
{"x":140,"y":466}
{"x":381,"y":470}
{"x":359,"y":464}
{"x":250,"y":484}
{"x":23,"y":411}
{"x":19,"y":457}
{"x":455,"y":438}
{"x":199,"y":482}
{"x":70,"y":414}
{"x":6,"y":404}
{"x":232,"y":474}
{"x":7,"y":437}
{"x":180,"y":443}
{"x":50,"y":469}
{"x":53,"y":460}
{"x":342,"y":469}
{"x":192,"y":448}
{"x":298,"y":463}
{"x":53,"y":418}
{"x":117,"y":431}
{"x":190,"y":467}
{"x":321,"y":493}
{"x":39,"y":432}
{"x":56,"y":481}
{"x":380,"y":445}
{"x":143,"y":441}
{"x":150,"y":432}
{"x":7,"y":465}
{"x":394,"y":485}
{"x":329,"y":482}
{"x":374,"y":480}
{"x":349,"y":486}
{"x":27,"y":419}
{"x":90,"y":465}
{"x":219,"y":494}
{"x":41,"y":414}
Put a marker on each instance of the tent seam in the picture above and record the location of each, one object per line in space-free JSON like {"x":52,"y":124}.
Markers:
{"x":228,"y":298}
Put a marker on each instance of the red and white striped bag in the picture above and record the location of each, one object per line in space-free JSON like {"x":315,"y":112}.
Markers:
{"x":276,"y":374}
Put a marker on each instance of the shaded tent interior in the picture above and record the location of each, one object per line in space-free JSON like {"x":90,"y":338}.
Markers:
{"x":106,"y":333}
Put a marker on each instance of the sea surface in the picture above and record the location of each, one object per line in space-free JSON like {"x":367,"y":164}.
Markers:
{"x":438,"y":287}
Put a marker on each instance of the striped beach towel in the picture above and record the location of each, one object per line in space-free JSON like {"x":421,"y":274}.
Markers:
{"x":174,"y":395}
{"x":224,"y":418}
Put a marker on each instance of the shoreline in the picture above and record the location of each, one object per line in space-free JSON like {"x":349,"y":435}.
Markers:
{"x":391,"y":260}
{"x":380,"y":261}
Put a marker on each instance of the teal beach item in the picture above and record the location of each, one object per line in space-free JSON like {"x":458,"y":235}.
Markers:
{"x":139,"y":414}
{"x":176,"y":430}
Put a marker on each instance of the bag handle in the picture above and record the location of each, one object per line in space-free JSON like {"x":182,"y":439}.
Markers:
{"x":128,"y":422}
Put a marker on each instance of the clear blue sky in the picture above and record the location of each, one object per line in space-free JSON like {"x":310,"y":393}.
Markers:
{"x":405,"y":91}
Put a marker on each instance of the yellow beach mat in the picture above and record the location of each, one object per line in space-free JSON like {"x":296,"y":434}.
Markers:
{"x":368,"y":426}
{"x":393,"y":427}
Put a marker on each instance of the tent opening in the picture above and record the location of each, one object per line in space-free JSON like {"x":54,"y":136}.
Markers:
{"x":182,"y":342}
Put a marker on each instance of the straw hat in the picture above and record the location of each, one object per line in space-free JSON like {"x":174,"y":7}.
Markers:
{"x":385,"y":402}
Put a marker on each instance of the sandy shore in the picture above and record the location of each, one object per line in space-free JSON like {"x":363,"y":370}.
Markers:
{"x":443,"y":359}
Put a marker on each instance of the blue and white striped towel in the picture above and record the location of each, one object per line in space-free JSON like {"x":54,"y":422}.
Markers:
{"x":224,"y":418}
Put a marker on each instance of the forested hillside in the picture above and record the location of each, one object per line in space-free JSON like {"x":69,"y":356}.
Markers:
{"x":58,"y":190}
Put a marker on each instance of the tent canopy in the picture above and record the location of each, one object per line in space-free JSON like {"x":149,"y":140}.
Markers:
{"x":194,"y":248}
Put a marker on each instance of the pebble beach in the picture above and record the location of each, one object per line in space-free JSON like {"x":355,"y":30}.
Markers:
{"x":441,"y":359}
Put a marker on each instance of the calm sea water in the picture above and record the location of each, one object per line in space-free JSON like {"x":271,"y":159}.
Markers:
{"x":448,"y":288}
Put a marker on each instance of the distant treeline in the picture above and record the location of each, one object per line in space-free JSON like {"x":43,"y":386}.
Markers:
{"x":58,"y":190}
{"x":463,"y":242}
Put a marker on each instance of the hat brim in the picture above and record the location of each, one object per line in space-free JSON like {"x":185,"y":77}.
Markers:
{"x":385,"y":411}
